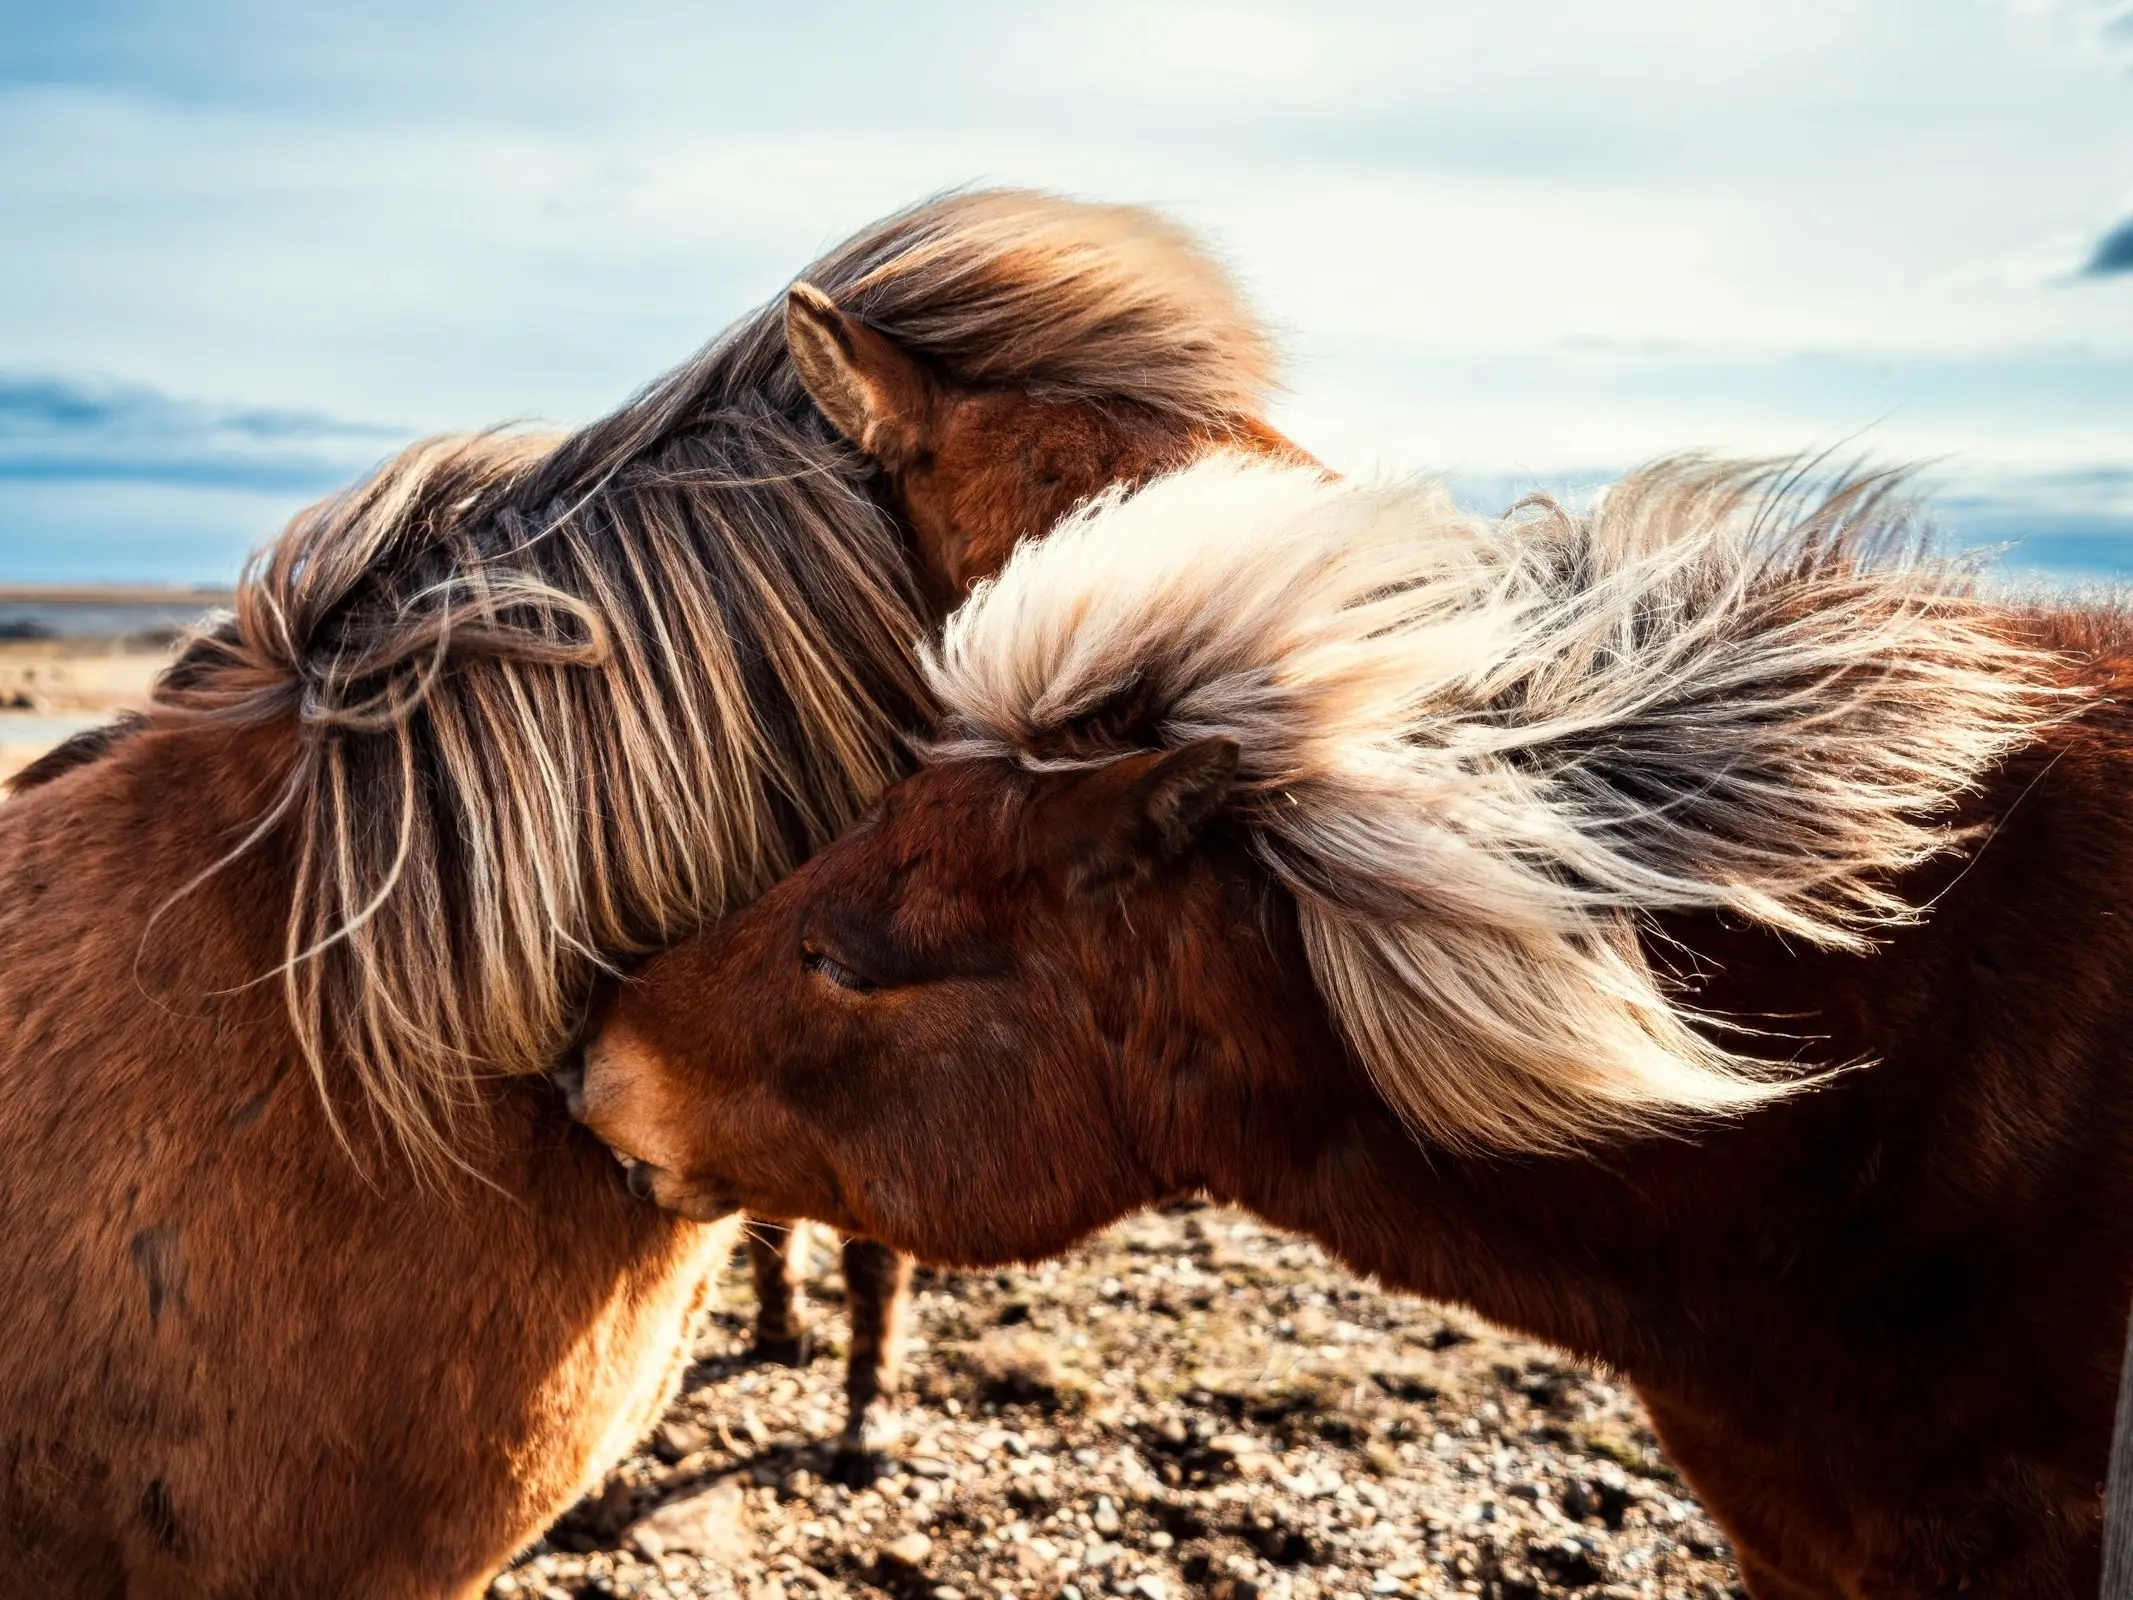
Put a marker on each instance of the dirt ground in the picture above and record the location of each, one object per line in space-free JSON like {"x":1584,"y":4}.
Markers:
{"x":1193,"y":1404}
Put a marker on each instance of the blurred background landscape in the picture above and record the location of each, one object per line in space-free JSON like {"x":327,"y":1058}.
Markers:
{"x":255,"y":246}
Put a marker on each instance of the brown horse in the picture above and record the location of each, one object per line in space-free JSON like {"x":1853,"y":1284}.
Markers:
{"x":310,"y":1288}
{"x":1451,"y":891}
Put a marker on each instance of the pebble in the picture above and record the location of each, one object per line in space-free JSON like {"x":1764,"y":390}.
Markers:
{"x":706,"y":1524}
{"x":909,"y":1552}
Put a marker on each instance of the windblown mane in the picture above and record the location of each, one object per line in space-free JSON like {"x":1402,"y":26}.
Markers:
{"x":1481,"y":751}
{"x":561,"y":697}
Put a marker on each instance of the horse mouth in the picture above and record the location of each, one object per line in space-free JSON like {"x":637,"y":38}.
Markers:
{"x":569,"y":1077}
{"x":700,"y":1200}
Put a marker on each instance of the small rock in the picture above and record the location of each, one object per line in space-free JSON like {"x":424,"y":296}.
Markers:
{"x":1700,"y":1538}
{"x":1106,"y":1521}
{"x":929,"y":1467}
{"x":707,"y":1524}
{"x":752,"y":1425}
{"x":1034,"y":1563}
{"x":681,"y":1438}
{"x":909,"y":1552}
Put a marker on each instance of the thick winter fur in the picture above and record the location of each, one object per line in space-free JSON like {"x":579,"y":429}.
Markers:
{"x":562,"y":698}
{"x":1063,"y":971}
{"x":478,"y":729}
{"x":1478,"y":750}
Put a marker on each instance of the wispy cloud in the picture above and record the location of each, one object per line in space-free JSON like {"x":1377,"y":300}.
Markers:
{"x":59,"y":430}
{"x":1527,"y":236}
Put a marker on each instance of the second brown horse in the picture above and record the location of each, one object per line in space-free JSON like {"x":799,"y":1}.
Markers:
{"x":1326,"y":851}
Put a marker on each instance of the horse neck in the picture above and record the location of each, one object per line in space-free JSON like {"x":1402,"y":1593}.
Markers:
{"x":1645,"y":1252}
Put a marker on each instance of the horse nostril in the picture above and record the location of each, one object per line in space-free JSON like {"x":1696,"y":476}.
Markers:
{"x":569,"y":1076}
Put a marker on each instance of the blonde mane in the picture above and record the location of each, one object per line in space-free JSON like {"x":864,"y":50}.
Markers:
{"x":560,"y":698}
{"x":1482,"y":753}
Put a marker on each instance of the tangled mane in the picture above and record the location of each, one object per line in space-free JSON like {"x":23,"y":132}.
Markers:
{"x":1482,"y":753}
{"x":559,"y":698}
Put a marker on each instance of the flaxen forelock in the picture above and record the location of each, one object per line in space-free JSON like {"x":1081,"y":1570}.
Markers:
{"x":1480,"y":751}
{"x":563,"y":697}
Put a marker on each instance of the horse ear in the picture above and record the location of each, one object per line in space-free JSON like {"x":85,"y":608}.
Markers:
{"x":1181,"y":793}
{"x":872,"y":392}
{"x":1148,"y":807}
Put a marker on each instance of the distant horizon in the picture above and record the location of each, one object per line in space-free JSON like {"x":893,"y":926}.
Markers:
{"x":2038,"y":533}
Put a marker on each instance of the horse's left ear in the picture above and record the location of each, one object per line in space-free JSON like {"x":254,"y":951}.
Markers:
{"x":873,"y":392}
{"x":1181,"y":793}
{"x":1147,"y":808}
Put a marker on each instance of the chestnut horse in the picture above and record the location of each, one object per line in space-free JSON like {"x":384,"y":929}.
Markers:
{"x":310,"y":1286}
{"x":1689,"y":933}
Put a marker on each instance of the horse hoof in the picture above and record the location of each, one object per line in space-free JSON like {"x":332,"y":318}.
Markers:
{"x":855,"y":1469}
{"x":797,"y":1351}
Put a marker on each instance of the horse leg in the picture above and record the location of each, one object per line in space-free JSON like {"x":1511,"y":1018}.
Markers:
{"x":775,"y":1253}
{"x":876,"y":1279}
{"x":1750,"y":1497}
{"x":1765,"y":1582}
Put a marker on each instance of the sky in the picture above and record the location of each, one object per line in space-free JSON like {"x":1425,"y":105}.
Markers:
{"x":248,"y":249}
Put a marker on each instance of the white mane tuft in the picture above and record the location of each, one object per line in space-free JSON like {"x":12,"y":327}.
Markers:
{"x":1478,"y":751}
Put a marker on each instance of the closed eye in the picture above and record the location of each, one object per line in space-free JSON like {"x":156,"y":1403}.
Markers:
{"x":836,"y":971}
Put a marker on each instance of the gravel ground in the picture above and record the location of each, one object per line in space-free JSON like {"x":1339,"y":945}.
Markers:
{"x":1192,"y":1404}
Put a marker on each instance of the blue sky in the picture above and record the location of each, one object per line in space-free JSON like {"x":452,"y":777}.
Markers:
{"x":249,"y":248}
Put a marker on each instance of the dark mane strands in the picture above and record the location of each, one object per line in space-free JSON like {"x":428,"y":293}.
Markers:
{"x":563,"y":697}
{"x":76,"y":750}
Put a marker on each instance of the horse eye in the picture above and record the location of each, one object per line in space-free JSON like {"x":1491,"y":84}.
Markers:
{"x":836,"y":971}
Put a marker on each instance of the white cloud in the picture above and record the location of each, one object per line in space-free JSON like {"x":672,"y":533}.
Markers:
{"x":1531,"y":232}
